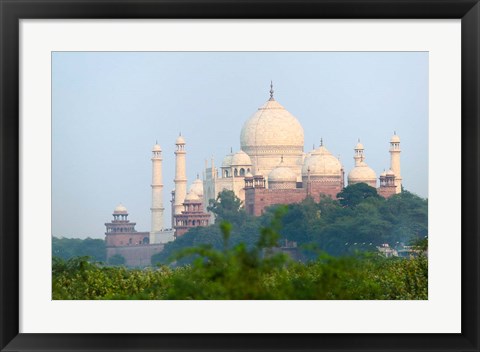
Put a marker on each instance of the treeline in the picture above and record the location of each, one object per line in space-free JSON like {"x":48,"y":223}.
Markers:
{"x":240,"y":272}
{"x":360,"y":220}
{"x":66,"y":248}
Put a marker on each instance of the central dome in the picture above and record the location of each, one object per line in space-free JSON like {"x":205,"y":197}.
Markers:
{"x":271,"y":126}
{"x":271,"y":134}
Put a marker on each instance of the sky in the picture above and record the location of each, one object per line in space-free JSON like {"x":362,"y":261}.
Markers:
{"x":110,"y":108}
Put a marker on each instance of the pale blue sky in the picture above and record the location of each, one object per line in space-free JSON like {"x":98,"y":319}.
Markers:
{"x":110,"y":108}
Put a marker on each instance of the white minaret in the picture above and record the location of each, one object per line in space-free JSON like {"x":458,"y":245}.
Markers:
{"x":157,"y":190}
{"x":180,"y":175}
{"x":395,"y":161}
{"x":359,"y":153}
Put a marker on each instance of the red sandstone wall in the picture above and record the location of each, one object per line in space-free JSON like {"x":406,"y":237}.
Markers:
{"x":136,"y":255}
{"x":122,"y":239}
{"x":257,"y":199}
{"x":386,"y":192}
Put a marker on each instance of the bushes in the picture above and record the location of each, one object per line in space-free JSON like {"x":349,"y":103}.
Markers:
{"x":242,"y":275}
{"x":242,"y":272}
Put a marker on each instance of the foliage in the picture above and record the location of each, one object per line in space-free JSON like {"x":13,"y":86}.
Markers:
{"x":240,"y":272}
{"x":116,"y":259}
{"x":353,"y":195}
{"x":67,"y":248}
{"x":228,"y":207}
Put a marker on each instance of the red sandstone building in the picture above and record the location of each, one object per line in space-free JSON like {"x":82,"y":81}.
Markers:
{"x":192,"y":216}
{"x":121,"y":232}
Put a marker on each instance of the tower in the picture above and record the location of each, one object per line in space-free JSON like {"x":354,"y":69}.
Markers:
{"x":180,"y":175}
{"x":395,"y":161}
{"x":359,"y":153}
{"x":157,"y":190}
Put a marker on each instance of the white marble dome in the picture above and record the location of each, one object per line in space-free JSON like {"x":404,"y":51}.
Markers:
{"x":362,"y":173}
{"x":395,"y":139}
{"x":359,"y":146}
{"x":197,"y":187}
{"x":321,"y":163}
{"x":192,"y":197}
{"x":271,"y":126}
{"x":227,"y":161}
{"x":282,"y":174}
{"x":241,"y":158}
{"x":180,"y":140}
{"x":120,"y":209}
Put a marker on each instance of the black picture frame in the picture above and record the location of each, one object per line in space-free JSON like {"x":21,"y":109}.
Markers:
{"x":11,"y":11}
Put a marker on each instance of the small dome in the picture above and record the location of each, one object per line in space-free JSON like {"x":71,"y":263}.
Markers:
{"x":282,"y":174}
{"x":249,"y":175}
{"x":321,"y":163}
{"x":180,"y":140}
{"x":227,"y":161}
{"x":156,"y":148}
{"x":362,"y":173}
{"x":390,"y":173}
{"x":359,"y":146}
{"x":395,"y":139}
{"x":120,"y":209}
{"x":241,"y":158}
{"x":197,"y":187}
{"x":383,"y":174}
{"x":192,"y":197}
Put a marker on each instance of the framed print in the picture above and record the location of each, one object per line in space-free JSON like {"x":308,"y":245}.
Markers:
{"x":87,"y":88}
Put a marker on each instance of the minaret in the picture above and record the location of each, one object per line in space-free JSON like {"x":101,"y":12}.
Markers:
{"x":359,"y":153}
{"x":395,"y":161}
{"x":180,"y":175}
{"x":157,"y":190}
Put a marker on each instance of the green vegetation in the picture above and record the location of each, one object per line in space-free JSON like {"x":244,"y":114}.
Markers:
{"x":241,"y":273}
{"x":66,"y":248}
{"x":239,"y":260}
{"x":359,"y":221}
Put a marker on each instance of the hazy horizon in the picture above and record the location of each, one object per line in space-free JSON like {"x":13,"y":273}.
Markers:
{"x":110,"y":108}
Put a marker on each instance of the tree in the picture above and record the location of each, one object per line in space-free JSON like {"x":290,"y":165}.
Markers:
{"x":353,"y":195}
{"x":67,"y":248}
{"x":116,"y":259}
{"x":227,"y":207}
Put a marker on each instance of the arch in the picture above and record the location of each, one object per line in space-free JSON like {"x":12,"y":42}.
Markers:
{"x":226,"y":173}
{"x":146,"y":240}
{"x":235,"y":173}
{"x":242,"y":172}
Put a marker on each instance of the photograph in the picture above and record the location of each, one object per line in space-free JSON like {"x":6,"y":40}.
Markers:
{"x":240,"y":175}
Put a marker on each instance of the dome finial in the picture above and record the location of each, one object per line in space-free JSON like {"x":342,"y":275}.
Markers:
{"x":231,"y":150}
{"x":271,"y":91}
{"x":321,"y":142}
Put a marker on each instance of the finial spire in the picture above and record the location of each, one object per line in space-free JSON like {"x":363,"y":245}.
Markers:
{"x":395,"y":133}
{"x":271,"y":91}
{"x":231,"y":150}
{"x":321,"y":142}
{"x":359,"y":140}
{"x":198,"y":177}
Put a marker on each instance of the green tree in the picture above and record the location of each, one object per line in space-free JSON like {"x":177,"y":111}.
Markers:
{"x":116,"y":259}
{"x":353,"y":195}
{"x":228,"y":207}
{"x":67,"y":248}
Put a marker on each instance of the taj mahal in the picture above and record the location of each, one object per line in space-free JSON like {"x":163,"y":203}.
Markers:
{"x":270,"y":168}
